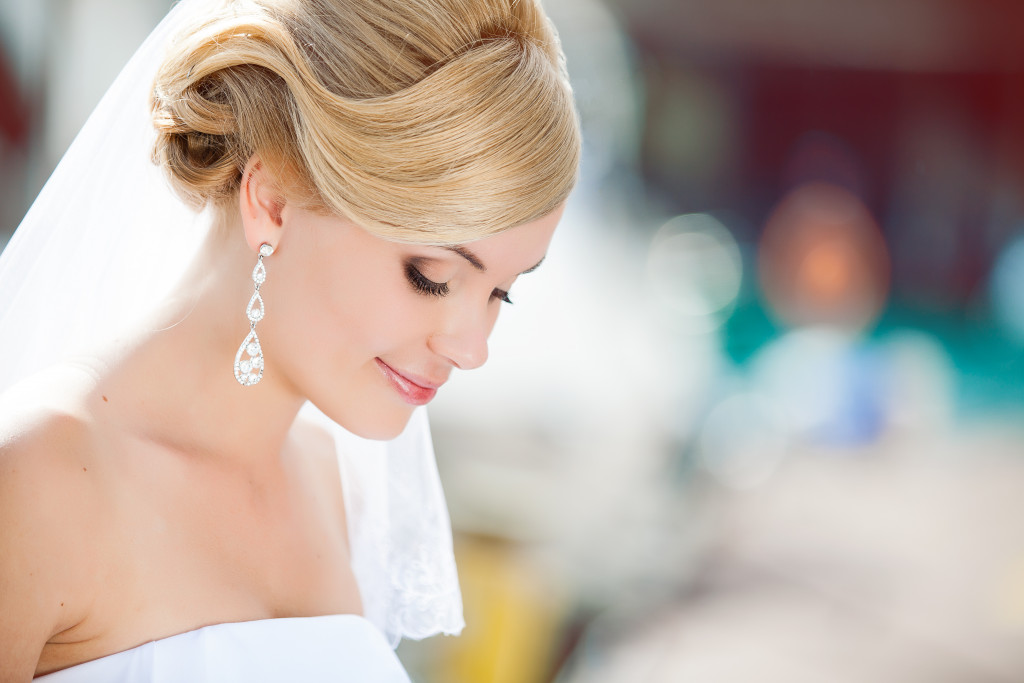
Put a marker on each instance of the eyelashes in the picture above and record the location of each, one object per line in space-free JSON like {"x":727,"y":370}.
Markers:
{"x":501,"y":295}
{"x":422,"y":285}
{"x":426,"y":286}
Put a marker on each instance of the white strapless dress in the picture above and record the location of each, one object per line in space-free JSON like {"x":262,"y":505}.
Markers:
{"x":336,"y":648}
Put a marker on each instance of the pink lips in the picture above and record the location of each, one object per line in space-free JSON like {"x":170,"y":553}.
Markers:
{"x":411,"y":392}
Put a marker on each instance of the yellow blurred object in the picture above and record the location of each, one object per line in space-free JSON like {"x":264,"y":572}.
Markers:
{"x":513,"y":612}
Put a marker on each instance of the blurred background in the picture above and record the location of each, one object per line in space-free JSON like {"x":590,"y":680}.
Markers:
{"x":760,"y":416}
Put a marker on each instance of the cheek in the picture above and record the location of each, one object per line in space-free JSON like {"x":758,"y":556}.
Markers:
{"x":350,"y":308}
{"x":376,"y":307}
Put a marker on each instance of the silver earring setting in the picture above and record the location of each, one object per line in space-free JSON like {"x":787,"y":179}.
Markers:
{"x":249,"y":359}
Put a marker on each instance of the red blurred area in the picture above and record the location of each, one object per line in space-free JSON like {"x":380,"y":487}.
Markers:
{"x":919,"y":104}
{"x":14,"y":119}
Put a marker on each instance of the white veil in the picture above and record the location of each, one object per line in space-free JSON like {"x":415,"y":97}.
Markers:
{"x":107,"y":238}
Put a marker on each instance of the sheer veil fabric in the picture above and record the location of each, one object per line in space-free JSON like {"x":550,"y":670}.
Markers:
{"x":107,"y":238}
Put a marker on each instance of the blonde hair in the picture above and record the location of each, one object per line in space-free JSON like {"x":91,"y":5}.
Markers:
{"x":432,"y":121}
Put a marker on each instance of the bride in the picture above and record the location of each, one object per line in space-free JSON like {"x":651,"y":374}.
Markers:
{"x":214,"y":463}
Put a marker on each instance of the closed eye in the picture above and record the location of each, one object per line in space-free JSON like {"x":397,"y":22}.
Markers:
{"x":424,"y":285}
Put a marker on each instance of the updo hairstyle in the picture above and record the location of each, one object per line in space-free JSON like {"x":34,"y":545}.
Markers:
{"x":429,"y":121}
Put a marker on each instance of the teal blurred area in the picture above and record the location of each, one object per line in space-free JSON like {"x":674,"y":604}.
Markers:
{"x":760,"y":415}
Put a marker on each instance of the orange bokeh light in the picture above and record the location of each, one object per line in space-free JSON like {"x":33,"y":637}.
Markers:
{"x":823,"y":260}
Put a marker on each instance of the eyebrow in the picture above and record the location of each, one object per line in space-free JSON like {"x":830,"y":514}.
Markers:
{"x":478,"y":264}
{"x":469,"y":256}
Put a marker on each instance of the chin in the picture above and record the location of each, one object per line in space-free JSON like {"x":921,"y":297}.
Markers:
{"x":383,"y":424}
{"x":379,"y":432}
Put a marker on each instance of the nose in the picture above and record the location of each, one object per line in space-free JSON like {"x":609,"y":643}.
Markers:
{"x":463,"y":338}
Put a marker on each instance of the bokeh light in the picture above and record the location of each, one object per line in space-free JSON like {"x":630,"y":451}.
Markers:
{"x":743,"y":440}
{"x":1006,"y":289}
{"x":826,"y":386}
{"x":823,"y":259}
{"x":695,"y":270}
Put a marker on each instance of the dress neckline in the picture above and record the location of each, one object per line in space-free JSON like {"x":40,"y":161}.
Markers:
{"x":246,"y":624}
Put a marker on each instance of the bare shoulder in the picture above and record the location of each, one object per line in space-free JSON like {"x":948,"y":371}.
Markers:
{"x":49,"y":507}
{"x":45,"y":438}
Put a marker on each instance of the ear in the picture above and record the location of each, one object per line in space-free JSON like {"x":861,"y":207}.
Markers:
{"x":260,"y":203}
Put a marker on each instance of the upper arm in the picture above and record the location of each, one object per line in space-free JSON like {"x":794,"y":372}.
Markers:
{"x":45,"y":507}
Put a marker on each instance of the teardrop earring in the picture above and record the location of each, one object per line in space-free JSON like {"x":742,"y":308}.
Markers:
{"x":249,"y":370}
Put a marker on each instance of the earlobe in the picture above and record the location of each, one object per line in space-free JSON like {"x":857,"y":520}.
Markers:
{"x":260,"y":204}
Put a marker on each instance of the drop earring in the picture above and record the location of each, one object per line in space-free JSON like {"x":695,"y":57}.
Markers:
{"x":249,"y":359}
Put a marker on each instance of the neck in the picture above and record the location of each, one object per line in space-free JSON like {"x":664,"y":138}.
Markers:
{"x":173,"y":382}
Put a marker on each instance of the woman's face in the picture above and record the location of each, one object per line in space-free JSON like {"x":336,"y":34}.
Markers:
{"x":367,"y":329}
